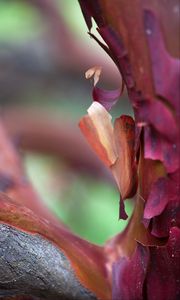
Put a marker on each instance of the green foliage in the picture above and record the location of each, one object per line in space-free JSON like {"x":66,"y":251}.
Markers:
{"x":89,"y":207}
{"x":19,"y":21}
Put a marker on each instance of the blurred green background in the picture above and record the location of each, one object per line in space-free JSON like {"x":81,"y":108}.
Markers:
{"x":42,"y":65}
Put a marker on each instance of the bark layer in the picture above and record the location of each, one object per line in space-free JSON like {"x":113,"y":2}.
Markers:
{"x":31,"y":265}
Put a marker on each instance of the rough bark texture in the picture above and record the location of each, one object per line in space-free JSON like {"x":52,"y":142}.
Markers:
{"x":31,"y":265}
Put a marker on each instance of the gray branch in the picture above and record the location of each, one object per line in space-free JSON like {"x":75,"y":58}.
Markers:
{"x":31,"y":265}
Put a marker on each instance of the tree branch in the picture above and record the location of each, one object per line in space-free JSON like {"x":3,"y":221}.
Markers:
{"x":47,"y":135}
{"x":31,"y":265}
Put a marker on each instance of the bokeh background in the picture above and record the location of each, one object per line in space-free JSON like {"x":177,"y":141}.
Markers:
{"x":44,"y":53}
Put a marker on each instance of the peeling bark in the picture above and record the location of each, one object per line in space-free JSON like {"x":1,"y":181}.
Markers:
{"x":32,"y":266}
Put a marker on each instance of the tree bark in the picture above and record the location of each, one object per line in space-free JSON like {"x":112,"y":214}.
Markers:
{"x":32,"y":266}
